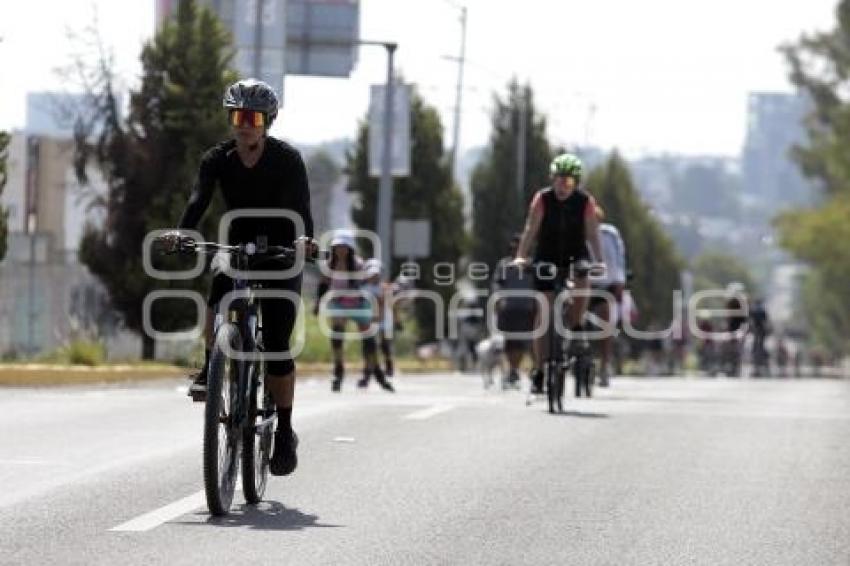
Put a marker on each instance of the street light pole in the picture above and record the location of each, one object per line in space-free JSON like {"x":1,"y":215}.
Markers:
{"x":385,"y":188}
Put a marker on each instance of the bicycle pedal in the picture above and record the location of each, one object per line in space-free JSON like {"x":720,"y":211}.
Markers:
{"x":198,"y":396}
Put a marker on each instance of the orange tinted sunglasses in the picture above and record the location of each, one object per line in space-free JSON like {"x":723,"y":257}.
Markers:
{"x":250,"y":118}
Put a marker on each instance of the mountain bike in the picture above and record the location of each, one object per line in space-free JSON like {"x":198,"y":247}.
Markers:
{"x":240,"y":415}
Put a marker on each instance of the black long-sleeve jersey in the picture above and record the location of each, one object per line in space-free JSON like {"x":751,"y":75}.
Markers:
{"x":277,"y":181}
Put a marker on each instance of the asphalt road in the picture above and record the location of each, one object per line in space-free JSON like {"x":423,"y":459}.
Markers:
{"x":650,"y":471}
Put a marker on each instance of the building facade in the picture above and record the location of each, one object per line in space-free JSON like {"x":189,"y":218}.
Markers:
{"x":774,"y":127}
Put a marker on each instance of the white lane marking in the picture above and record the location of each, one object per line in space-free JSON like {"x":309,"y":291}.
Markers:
{"x":159,"y":516}
{"x":168,"y":512}
{"x":428,"y":412}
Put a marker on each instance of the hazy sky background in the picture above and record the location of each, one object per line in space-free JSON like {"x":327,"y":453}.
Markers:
{"x":663,"y":75}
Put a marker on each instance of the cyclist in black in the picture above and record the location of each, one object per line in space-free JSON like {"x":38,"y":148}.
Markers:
{"x":562,"y":218}
{"x":255,"y":171}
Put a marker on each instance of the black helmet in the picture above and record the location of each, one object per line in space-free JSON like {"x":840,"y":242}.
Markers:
{"x":251,"y":94}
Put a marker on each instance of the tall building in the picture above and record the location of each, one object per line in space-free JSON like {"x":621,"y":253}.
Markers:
{"x":774,"y":126}
{"x":46,"y":295}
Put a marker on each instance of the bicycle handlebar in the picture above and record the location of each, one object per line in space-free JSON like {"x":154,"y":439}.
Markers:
{"x":187,"y":244}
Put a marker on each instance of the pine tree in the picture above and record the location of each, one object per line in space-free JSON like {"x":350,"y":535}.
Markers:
{"x":150,"y":158}
{"x":651,"y":255}
{"x":498,"y":207}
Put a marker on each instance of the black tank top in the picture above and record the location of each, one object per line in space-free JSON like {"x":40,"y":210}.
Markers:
{"x":562,"y":233}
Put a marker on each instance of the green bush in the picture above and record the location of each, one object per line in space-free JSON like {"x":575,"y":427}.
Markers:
{"x":85,"y":352}
{"x":76,"y":352}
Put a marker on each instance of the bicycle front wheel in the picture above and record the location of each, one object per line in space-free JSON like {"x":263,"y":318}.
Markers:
{"x":221,"y":430}
{"x":257,"y":442}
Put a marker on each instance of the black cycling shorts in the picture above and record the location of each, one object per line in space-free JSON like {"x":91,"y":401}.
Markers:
{"x":278,"y":317}
{"x":546,"y":276}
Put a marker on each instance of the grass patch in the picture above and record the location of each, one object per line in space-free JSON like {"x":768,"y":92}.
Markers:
{"x":77,"y":352}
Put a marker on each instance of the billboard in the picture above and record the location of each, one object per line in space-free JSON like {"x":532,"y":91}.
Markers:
{"x":322,"y":37}
{"x":400,"y":141}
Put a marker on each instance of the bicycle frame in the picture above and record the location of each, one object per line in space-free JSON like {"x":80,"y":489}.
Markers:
{"x":236,"y":412}
{"x":244,"y":312}
{"x":558,"y":344}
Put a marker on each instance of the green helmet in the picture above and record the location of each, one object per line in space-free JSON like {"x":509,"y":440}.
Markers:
{"x":566,"y":165}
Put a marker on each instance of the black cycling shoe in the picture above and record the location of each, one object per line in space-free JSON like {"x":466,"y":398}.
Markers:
{"x":284,"y":458}
{"x":336,"y":385}
{"x":536,"y":381}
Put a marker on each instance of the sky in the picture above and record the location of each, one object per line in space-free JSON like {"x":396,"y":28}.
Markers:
{"x":646,"y":77}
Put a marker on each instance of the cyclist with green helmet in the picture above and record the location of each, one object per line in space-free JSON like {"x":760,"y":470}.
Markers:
{"x":562,"y":219}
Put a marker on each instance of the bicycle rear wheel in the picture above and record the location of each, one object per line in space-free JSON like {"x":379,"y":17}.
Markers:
{"x":583,"y":373}
{"x":257,"y":443}
{"x":552,"y":385}
{"x":221,"y":431}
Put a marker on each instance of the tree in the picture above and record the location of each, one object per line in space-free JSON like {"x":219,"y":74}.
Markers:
{"x":4,"y":143}
{"x":821,"y":306}
{"x":323,"y":174}
{"x":427,"y":193}
{"x":651,"y":255}
{"x":149,"y":159}
{"x":498,"y":207}
{"x":818,"y":236}
{"x":820,"y":68}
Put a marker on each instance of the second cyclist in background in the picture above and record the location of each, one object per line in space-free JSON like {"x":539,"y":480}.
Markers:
{"x":562,"y":220}
{"x":614,"y":282}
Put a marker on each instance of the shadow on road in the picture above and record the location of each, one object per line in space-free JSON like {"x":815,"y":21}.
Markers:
{"x":583,"y":415}
{"x":269,"y":516}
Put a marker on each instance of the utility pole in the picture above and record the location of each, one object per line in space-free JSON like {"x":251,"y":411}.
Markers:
{"x":461,"y":59}
{"x":385,"y":189}
{"x":258,"y":39}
